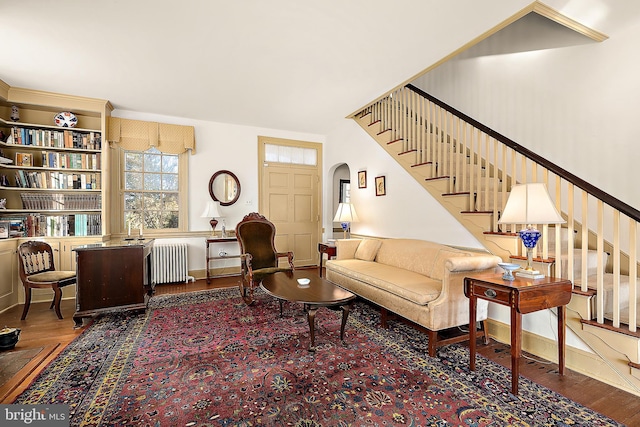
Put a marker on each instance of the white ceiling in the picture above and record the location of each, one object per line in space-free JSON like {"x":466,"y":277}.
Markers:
{"x":283,"y":64}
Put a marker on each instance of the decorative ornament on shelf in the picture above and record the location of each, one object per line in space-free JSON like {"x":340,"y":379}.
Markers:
{"x":15,"y":113}
{"x":65,"y":119}
{"x":3,"y":203}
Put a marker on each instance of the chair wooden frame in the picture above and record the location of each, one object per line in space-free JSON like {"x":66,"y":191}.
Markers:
{"x":255,"y":266}
{"x":37,"y":270}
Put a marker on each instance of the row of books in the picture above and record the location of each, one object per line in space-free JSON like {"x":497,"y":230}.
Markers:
{"x":58,"y":180}
{"x":52,"y":159}
{"x":38,"y":225}
{"x":55,"y":138}
{"x":61,"y":201}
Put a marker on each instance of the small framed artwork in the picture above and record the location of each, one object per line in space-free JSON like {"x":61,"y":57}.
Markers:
{"x":4,"y":229}
{"x":381,"y":186}
{"x":362,"y":179}
{"x":24,"y":159}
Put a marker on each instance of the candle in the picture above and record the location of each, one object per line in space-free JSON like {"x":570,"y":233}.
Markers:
{"x":140,"y":231}
{"x":129,"y":232}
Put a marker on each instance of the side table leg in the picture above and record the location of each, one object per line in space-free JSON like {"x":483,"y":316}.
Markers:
{"x":562,"y":312}
{"x":206,"y":267}
{"x":311,"y":317}
{"x":472,"y":333}
{"x":516,"y":343}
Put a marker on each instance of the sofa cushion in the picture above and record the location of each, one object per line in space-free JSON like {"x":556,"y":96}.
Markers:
{"x":346,"y":248}
{"x":368,"y":249}
{"x":406,"y":284}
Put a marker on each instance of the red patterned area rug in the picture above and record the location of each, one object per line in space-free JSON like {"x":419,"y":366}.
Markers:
{"x":206,"y":359}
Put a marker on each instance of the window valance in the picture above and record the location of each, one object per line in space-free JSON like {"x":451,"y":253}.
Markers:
{"x":140,"y":135}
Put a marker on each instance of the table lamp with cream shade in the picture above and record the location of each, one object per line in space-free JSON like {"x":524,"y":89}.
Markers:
{"x":211,"y":211}
{"x":345,"y":215}
{"x":530,"y":204}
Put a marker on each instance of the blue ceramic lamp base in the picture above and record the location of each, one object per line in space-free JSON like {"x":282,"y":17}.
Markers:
{"x":345,"y":228}
{"x":530,"y":237}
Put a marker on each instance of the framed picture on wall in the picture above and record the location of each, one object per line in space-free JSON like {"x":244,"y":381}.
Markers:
{"x":381,"y":187}
{"x":362,"y":179}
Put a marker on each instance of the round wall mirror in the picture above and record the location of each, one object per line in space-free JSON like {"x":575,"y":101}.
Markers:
{"x":224,"y":187}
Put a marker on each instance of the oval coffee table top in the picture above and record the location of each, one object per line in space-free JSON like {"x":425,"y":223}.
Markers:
{"x":284,"y":285}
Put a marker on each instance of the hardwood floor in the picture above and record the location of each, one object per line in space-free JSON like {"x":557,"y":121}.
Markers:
{"x":43,"y":330}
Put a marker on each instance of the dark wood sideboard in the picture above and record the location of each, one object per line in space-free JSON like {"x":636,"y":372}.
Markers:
{"x":112,"y":275}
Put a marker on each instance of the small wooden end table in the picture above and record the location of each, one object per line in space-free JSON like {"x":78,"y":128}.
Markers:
{"x":213,"y":240}
{"x":325,"y":248}
{"x":522,"y":296}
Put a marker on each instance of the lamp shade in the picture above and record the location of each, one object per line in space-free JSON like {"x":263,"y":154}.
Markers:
{"x":530,"y":204}
{"x":346,"y":213}
{"x":211,"y":210}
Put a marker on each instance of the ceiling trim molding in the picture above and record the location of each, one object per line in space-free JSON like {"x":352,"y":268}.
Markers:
{"x":48,"y":99}
{"x":535,"y":7}
{"x":4,"y":90}
{"x":554,"y":15}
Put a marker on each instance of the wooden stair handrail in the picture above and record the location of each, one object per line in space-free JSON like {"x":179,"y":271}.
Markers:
{"x":607,"y":198}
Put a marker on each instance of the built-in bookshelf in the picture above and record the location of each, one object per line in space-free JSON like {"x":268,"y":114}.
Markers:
{"x":51,"y":176}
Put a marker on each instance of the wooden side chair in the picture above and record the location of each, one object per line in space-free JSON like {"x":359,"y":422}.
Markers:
{"x":37,"y":270}
{"x":258,"y":255}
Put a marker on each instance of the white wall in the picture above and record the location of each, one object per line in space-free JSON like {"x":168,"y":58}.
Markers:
{"x":407,"y":210}
{"x":575,"y":105}
{"x":220,"y":146}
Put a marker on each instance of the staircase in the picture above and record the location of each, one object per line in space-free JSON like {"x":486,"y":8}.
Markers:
{"x":470,"y":169}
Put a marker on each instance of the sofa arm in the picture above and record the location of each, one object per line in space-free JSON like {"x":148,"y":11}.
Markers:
{"x":472,"y":263}
{"x":346,"y":248}
{"x":455,"y":270}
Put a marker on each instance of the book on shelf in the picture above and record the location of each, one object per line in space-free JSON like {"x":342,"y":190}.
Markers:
{"x":56,"y":138}
{"x":54,"y":225}
{"x":60,"y":201}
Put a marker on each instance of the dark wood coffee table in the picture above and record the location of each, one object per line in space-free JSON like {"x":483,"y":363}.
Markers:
{"x":319,"y":293}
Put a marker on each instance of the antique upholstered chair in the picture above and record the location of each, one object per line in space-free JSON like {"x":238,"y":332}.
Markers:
{"x":258,"y":255}
{"x":37,"y":270}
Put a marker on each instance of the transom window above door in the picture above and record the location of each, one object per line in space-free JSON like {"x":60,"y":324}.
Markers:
{"x":292,"y":155}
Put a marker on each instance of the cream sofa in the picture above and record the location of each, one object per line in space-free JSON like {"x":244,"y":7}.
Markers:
{"x":419,"y":280}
